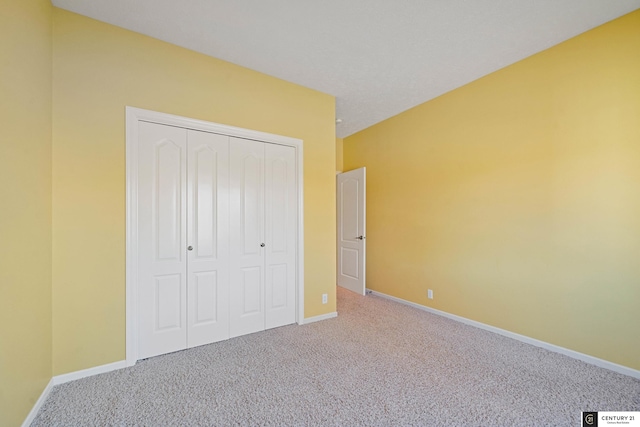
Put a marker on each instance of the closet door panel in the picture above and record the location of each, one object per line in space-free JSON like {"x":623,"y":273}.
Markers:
{"x":247,"y":236}
{"x":208,"y":238}
{"x":162,"y":277}
{"x":281,"y":206}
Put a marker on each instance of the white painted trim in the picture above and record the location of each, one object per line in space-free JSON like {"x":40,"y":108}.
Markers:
{"x":319,"y":318}
{"x":65,"y":378}
{"x":135,"y":115}
{"x":300,"y":251}
{"x":195,"y":124}
{"x":523,"y":338}
{"x":36,"y":408}
{"x":96,"y":370}
{"x":131,"y":247}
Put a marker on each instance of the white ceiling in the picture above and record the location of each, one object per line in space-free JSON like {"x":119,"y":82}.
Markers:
{"x":377,"y":57}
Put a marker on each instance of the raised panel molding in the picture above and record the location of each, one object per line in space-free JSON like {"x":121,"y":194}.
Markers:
{"x":251,"y":284}
{"x":249,"y":202}
{"x":168,"y":302}
{"x":350,"y":255}
{"x":278,"y":276}
{"x":205,"y":200}
{"x":167,"y":192}
{"x":279,"y":204}
{"x":349,"y":202}
{"x":207,"y":297}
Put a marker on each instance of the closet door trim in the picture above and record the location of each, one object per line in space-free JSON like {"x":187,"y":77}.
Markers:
{"x":133,"y":117}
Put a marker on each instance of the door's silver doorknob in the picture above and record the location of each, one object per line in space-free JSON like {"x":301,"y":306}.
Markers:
{"x":189,"y":248}
{"x":360,"y":237}
{"x":262,"y":245}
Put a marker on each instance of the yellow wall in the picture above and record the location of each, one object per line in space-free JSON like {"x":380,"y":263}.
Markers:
{"x":98,"y":70}
{"x":339,"y":155}
{"x":516,"y":198}
{"x":25,"y":206}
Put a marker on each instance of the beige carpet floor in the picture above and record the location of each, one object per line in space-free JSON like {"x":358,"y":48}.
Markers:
{"x":379,"y":363}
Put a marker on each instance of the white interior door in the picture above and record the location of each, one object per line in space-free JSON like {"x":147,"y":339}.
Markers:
{"x":162,"y":273}
{"x":281,"y":206}
{"x":247,"y":308}
{"x":208,"y":238}
{"x":351,"y":222}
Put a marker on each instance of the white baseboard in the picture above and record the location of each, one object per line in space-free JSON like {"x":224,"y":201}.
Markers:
{"x":319,"y":318}
{"x":34,"y":411}
{"x":523,"y":338}
{"x":72,"y":376}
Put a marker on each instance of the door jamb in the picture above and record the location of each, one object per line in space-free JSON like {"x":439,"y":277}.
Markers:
{"x":133,"y":117}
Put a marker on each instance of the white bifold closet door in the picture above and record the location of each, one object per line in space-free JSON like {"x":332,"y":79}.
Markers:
{"x":183,"y":238}
{"x":281,"y":223}
{"x":263,"y":226}
{"x":217,"y":218}
{"x":207,"y":237}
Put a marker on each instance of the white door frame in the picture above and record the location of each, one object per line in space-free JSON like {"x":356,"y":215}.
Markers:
{"x":135,"y":115}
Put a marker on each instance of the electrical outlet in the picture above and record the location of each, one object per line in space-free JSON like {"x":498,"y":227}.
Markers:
{"x":325,"y":298}
{"x":429,"y":294}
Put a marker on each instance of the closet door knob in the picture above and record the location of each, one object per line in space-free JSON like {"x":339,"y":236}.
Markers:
{"x":262,"y":245}
{"x":189,"y":248}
